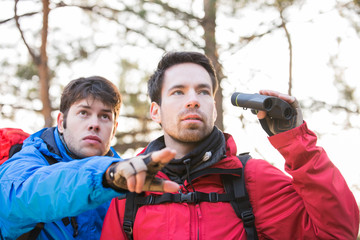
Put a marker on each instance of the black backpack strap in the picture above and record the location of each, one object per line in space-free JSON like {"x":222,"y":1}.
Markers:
{"x":129,"y":214}
{"x":36,"y":231}
{"x":33,"y":234}
{"x":241,"y":204}
{"x":191,"y":197}
{"x":14,"y":149}
{"x":67,"y":220}
{"x":50,"y":160}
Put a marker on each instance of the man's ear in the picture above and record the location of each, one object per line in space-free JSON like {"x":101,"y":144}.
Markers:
{"x":155,"y":112}
{"x":60,"y":122}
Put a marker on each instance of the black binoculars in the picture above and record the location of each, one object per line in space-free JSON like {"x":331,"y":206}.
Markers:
{"x":274,"y":106}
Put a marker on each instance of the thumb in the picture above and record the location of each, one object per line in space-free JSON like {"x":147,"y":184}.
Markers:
{"x":170,"y":186}
{"x":160,"y":185}
{"x":261,"y":114}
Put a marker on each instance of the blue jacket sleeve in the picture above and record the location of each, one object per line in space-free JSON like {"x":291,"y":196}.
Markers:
{"x":33,"y":191}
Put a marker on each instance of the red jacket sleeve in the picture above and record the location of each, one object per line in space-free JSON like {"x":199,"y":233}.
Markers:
{"x":112,"y":227}
{"x":315,"y":203}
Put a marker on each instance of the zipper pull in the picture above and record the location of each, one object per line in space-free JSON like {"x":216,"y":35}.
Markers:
{"x":198,"y":210}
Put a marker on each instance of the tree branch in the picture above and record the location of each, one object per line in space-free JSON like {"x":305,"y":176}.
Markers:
{"x":19,"y":16}
{"x":315,"y":105}
{"x":254,"y":36}
{"x":283,"y":25}
{"x":97,"y":10}
{"x":31,"y":52}
{"x":180,"y":14}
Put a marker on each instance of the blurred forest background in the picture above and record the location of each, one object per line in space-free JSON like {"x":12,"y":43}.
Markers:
{"x":309,"y":49}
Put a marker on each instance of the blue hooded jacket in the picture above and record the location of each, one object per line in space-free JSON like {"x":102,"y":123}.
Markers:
{"x":33,"y":191}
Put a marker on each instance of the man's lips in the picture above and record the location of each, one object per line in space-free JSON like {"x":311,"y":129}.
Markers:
{"x":92,"y":138}
{"x":192,"y":117}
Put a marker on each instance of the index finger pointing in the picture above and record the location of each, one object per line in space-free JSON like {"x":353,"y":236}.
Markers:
{"x":163,"y":156}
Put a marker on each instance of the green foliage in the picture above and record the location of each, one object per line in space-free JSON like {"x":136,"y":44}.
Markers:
{"x":26,"y":71}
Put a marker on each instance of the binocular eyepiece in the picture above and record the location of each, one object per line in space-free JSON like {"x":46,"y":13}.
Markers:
{"x":274,"y":106}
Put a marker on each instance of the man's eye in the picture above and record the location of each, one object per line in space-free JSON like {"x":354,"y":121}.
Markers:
{"x":83,"y":113}
{"x":205,"y":92}
{"x":178,"y":92}
{"x":105,"y":116}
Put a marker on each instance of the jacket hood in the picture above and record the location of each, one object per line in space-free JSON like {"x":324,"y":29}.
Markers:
{"x":45,"y":141}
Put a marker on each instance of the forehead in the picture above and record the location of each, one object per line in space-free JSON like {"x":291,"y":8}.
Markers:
{"x":186,"y":74}
{"x":91,"y":102}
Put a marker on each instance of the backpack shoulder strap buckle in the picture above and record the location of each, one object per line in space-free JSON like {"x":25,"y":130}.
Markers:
{"x":213,"y":197}
{"x":248,"y":218}
{"x":128,"y":227}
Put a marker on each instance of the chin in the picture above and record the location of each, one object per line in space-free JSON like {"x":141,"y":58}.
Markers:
{"x":192,"y":137}
{"x":92,"y":153}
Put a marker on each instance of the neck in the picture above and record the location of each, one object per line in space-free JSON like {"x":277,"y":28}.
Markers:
{"x":182,"y":148}
{"x":71,"y":154}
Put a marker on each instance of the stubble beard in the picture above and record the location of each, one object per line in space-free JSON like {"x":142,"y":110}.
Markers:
{"x":81,"y":151}
{"x":191,"y":134}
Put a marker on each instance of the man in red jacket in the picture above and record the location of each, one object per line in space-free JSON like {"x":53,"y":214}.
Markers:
{"x":314,"y":203}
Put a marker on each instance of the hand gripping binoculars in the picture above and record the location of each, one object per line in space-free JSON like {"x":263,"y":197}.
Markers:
{"x":274,"y":106}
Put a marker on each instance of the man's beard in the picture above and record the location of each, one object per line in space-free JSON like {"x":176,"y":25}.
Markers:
{"x":191,"y":135}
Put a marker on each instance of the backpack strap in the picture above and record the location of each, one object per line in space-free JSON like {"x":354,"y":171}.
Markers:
{"x":241,"y":204}
{"x":190,"y":197}
{"x":235,"y":190}
{"x":33,"y":234}
{"x":131,"y":209}
{"x":14,"y":149}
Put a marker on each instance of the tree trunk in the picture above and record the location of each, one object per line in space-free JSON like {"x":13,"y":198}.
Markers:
{"x":44,"y":69}
{"x":209,"y":25}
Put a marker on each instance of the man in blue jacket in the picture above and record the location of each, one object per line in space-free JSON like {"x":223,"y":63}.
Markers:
{"x":60,"y":184}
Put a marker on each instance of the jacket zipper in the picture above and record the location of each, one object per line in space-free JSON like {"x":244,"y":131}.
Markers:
{"x":199,"y":216}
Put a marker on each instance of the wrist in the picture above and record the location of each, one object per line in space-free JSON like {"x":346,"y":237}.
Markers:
{"x":108,"y":176}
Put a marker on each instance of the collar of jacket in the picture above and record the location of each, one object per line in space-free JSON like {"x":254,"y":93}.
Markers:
{"x":209,"y":151}
{"x":56,"y":147}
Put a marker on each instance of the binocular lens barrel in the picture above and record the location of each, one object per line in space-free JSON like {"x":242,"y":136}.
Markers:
{"x":275,"y":107}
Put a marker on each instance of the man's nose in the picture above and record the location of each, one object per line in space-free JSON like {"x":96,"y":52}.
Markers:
{"x":94,"y":124}
{"x":193,"y":101}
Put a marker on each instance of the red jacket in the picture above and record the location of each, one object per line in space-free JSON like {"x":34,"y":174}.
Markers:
{"x":315,"y":203}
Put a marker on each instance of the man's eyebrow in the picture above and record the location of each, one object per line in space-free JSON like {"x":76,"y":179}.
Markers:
{"x":83,"y":106}
{"x":202,"y":85}
{"x":177,"y":86}
{"x":107,"y":110}
{"x":89,"y":107}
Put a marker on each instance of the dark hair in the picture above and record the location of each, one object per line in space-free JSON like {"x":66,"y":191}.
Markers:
{"x":97,"y":87}
{"x":172,"y":58}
